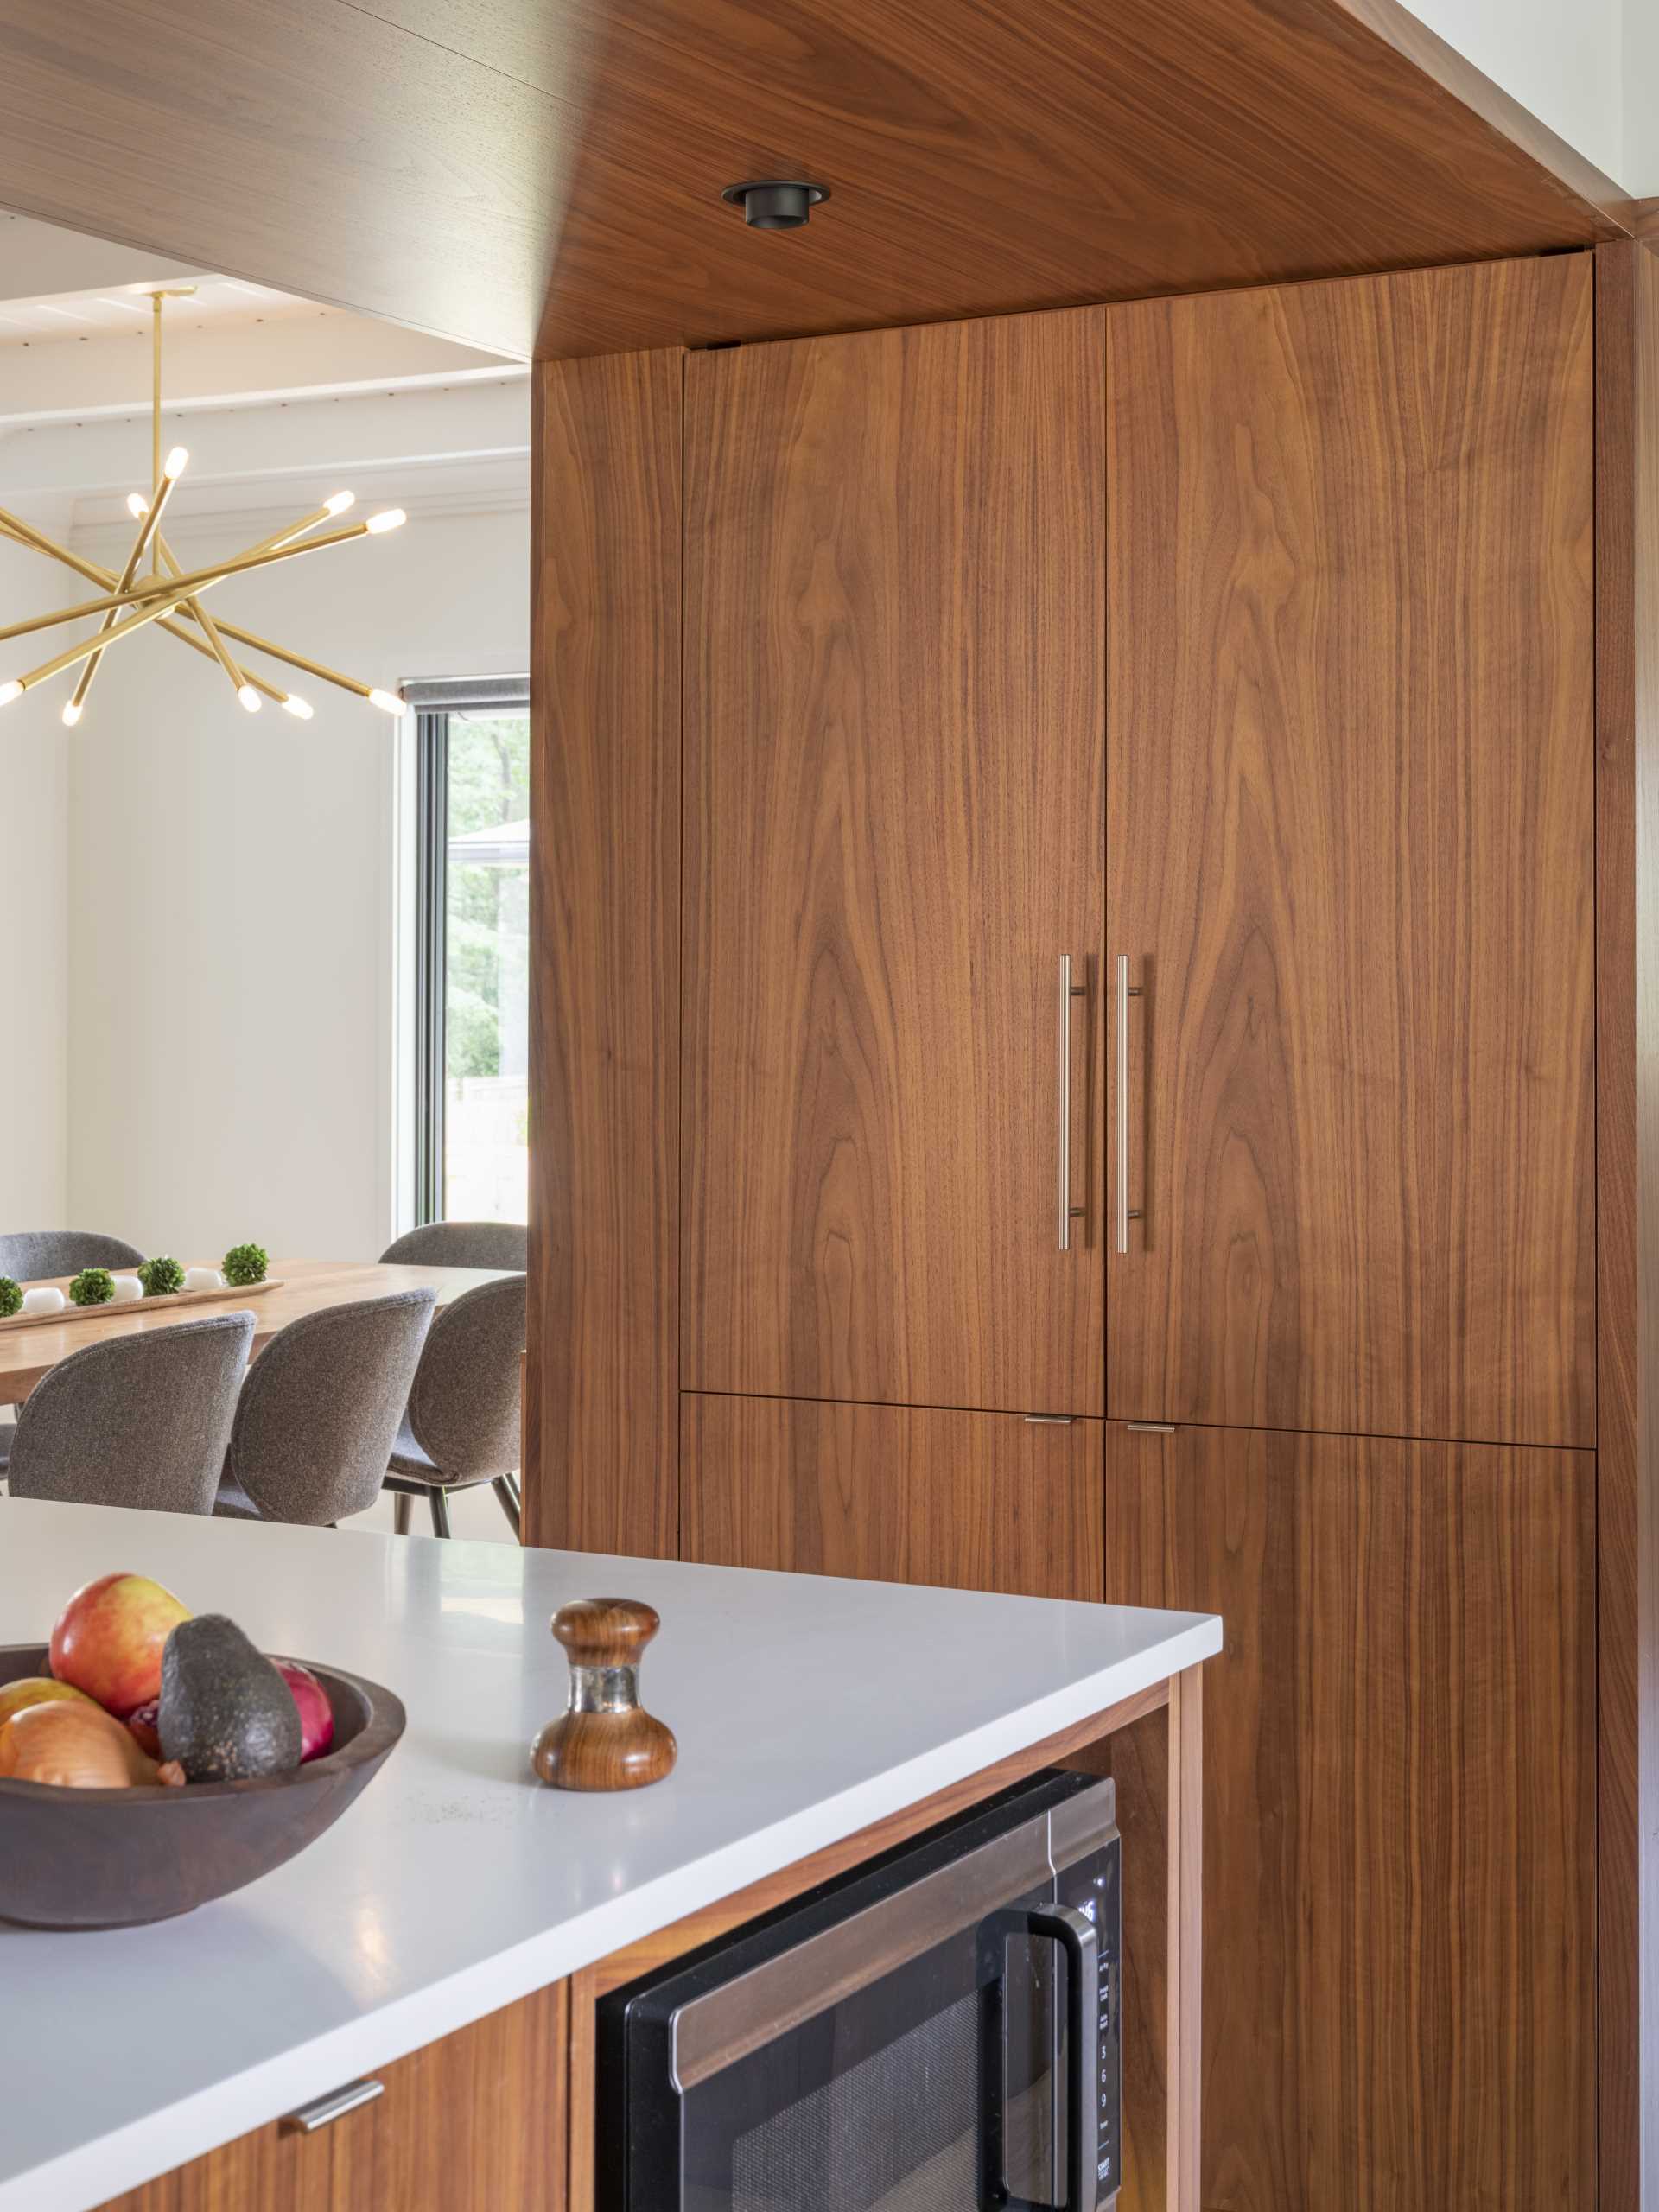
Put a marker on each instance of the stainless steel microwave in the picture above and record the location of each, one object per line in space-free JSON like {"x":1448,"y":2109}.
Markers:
{"x":938,"y":2031}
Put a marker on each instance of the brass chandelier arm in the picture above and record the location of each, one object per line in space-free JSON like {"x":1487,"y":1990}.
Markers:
{"x":198,"y":613}
{"x":101,"y":643}
{"x":147,"y":530}
{"x":167,"y":589}
{"x":24,"y":533}
{"x":316,"y":668}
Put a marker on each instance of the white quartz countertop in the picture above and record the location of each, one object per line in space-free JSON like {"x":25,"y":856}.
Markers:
{"x":805,"y":1708}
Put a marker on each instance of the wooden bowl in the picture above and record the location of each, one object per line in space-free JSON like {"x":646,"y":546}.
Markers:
{"x":121,"y":1858}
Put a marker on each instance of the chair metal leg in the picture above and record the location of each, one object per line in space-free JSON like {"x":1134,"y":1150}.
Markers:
{"x":402,"y":1508}
{"x":506,"y":1491}
{"x":440,"y":1505}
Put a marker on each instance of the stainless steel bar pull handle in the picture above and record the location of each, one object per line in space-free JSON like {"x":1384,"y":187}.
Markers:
{"x":1069,"y":990}
{"x":1125,"y":1212}
{"x":336,"y":2105}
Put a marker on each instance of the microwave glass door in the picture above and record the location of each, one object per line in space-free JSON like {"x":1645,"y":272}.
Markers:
{"x":938,"y":2034}
{"x":876,"y":2103}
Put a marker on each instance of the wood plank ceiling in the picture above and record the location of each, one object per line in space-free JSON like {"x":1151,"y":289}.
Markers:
{"x":544,"y":174}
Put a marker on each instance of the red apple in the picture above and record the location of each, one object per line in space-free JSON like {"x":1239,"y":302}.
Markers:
{"x":108,"y":1638}
{"x":316,"y":1714}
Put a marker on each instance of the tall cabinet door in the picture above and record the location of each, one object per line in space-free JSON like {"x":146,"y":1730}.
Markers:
{"x":1400,"y":1772}
{"x":1350,"y":868}
{"x":894,"y":703}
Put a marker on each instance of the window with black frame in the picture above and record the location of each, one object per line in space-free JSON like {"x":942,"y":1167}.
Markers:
{"x":472,"y":965}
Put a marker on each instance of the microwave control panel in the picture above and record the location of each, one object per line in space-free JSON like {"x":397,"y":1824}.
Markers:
{"x":1093,"y":1886}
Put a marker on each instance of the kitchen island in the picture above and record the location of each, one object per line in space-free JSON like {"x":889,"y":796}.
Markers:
{"x":452,"y":1933}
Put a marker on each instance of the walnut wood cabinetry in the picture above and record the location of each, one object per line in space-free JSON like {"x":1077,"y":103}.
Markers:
{"x":895,"y":1493}
{"x":894,"y":668}
{"x":473,"y":2123}
{"x":1357,"y":777}
{"x":1351,"y":862}
{"x":1399,"y":2002}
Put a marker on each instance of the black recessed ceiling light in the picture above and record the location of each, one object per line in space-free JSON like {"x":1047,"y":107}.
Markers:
{"x":776,"y":203}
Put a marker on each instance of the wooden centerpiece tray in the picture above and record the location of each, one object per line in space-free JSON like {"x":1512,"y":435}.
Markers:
{"x":169,"y":1302}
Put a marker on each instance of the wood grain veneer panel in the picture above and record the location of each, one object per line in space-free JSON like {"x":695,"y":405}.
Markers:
{"x":1627,"y":1104}
{"x":492,"y":168}
{"x":1399,"y":1908}
{"x":1352,"y":853}
{"x":604,"y":996}
{"x":474,"y":2122}
{"x":894,"y":664}
{"x":983,"y":158}
{"x":893,"y":1493}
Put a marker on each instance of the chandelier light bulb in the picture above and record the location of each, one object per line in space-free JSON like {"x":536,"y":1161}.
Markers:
{"x":249,"y":698}
{"x":71,"y":713}
{"x":174,"y":467}
{"x":137,"y":506}
{"x":337,"y":502}
{"x":300,"y":709}
{"x":388,"y":701}
{"x":10,"y":692}
{"x":388,"y":518}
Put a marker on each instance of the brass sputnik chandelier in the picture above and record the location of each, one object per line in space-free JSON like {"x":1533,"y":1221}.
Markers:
{"x":139,"y":595}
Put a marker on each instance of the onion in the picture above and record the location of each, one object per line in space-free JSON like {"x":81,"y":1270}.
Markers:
{"x":37,"y":1689}
{"x":77,"y":1746}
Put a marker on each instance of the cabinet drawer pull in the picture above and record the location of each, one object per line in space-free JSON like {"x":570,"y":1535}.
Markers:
{"x":1152,"y":1427}
{"x":336,"y":2105}
{"x":1048,"y":1421}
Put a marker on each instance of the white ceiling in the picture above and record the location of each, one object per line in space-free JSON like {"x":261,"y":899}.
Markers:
{"x":76,"y":324}
{"x":272,"y":395}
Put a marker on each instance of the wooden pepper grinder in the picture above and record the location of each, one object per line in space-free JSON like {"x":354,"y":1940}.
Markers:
{"x":605,"y":1739}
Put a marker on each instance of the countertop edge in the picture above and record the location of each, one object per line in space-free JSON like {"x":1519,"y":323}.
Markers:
{"x":85,"y":2177}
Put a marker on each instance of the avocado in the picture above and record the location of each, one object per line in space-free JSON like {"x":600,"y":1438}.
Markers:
{"x":226,"y":1713}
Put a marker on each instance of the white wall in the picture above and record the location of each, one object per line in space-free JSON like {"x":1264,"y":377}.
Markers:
{"x":33,"y":944}
{"x":1588,"y":68}
{"x":233,"y":897}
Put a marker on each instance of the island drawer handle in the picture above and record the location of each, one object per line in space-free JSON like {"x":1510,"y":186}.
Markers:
{"x":336,"y":2105}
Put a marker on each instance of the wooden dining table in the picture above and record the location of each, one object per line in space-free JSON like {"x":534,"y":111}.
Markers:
{"x":297,"y":1288}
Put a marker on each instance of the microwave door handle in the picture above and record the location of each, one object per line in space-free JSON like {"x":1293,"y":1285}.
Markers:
{"x":1078,"y":1937}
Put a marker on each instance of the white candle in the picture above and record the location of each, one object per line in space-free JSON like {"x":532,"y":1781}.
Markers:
{"x":127,"y":1287}
{"x":203,"y":1279}
{"x":44,"y":1300}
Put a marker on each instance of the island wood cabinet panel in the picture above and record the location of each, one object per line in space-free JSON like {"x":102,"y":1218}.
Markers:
{"x":893,"y":1493}
{"x":1351,"y":810}
{"x":894,"y":671}
{"x":476,"y":2122}
{"x":1400,"y":1767}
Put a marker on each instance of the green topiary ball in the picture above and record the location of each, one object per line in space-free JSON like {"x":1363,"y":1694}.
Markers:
{"x":247,"y":1263}
{"x":160,"y":1277}
{"x":92,"y":1287}
{"x":12,"y":1298}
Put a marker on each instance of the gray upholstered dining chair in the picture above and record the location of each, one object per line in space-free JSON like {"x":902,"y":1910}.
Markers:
{"x":461,"y":1427}
{"x":462,"y":1244}
{"x":320,"y":1409}
{"x":135,"y":1421}
{"x":30,"y":1255}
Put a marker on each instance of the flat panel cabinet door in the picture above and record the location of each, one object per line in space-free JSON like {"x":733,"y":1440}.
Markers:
{"x":894,"y":575}
{"x":893,"y":1494}
{"x":1351,"y":866}
{"x":1398,"y":1803}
